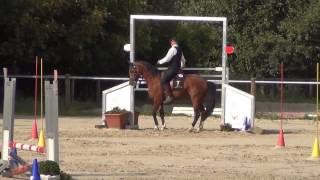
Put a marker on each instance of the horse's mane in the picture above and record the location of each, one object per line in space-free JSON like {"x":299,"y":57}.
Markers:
{"x":151,"y":68}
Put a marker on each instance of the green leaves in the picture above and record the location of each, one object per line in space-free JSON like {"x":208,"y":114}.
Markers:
{"x":266,"y":33}
{"x":86,"y":37}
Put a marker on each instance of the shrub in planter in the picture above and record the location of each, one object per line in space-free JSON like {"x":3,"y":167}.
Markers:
{"x":49,"y":168}
{"x":116,"y":110}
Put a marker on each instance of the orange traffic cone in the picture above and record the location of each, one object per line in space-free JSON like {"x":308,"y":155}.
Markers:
{"x":34,"y":130}
{"x":281,"y":143}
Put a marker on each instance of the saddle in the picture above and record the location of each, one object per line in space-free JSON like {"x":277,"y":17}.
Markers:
{"x":178,"y":81}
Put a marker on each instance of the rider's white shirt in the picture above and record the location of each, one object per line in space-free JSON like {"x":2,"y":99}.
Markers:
{"x":172,"y":52}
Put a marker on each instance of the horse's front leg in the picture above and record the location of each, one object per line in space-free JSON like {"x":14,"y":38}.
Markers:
{"x":161,"y":111}
{"x":154,"y":114}
{"x":200,"y":125}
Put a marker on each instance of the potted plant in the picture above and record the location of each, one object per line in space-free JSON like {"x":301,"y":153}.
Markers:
{"x":116,"y":118}
{"x":49,"y":170}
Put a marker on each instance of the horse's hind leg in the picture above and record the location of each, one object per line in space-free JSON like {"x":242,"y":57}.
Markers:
{"x":204,"y":115}
{"x":161,"y":111}
{"x":195,"y":118}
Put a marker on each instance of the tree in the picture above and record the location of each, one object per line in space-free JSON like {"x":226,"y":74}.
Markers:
{"x":265,"y":33}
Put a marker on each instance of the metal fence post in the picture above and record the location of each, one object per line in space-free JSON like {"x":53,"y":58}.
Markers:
{"x":98,"y":92}
{"x":67,"y":95}
{"x":253,"y":87}
{"x":73,"y":82}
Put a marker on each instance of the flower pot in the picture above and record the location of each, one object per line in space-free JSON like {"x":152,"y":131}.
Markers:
{"x":116,"y":120}
{"x":47,"y":177}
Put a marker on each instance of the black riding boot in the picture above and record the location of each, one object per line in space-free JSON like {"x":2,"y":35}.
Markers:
{"x":168,"y":94}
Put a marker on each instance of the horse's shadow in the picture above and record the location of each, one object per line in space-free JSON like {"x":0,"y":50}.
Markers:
{"x":179,"y":130}
{"x":272,"y":131}
{"x":255,"y":130}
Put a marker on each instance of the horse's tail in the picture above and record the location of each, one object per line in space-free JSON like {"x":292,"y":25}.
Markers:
{"x":210,"y":100}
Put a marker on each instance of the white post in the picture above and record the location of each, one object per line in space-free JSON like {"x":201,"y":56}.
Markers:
{"x":5,"y":73}
{"x":132,"y":59}
{"x":224,"y":67}
{"x":52,"y":125}
{"x":8,"y":115}
{"x":5,"y":145}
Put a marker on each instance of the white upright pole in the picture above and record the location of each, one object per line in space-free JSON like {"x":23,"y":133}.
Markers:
{"x":132,"y":59}
{"x":224,"y":67}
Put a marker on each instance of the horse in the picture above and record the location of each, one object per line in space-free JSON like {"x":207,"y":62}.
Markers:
{"x":200,"y":91}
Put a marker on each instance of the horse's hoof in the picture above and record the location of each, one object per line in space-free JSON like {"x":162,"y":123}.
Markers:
{"x":191,"y":129}
{"x":201,"y":125}
{"x":199,"y":130}
{"x":156,"y":128}
{"x":163,"y":127}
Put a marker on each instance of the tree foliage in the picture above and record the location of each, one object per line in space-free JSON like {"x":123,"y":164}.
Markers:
{"x":266,"y":33}
{"x":85,"y":37}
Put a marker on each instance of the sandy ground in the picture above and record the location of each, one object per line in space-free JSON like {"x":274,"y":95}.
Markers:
{"x":89,"y":153}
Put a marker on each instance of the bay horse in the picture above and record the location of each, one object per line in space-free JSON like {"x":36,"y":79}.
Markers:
{"x":200,"y":91}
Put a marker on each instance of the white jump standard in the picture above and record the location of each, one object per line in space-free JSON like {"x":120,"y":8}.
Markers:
{"x":51,"y":122}
{"x":225,"y":103}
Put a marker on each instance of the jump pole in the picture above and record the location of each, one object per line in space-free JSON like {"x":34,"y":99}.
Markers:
{"x":281,"y":142}
{"x":34,"y":132}
{"x":317,"y":103}
{"x":317,"y":130}
{"x":41,"y":141}
{"x":315,"y":150}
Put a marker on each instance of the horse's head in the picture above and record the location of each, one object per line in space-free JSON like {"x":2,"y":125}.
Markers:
{"x":141,"y":69}
{"x":134,"y":74}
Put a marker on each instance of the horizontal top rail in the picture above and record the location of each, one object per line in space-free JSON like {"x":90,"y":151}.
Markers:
{"x":70,"y":77}
{"x":126,"y":79}
{"x":219,"y":69}
{"x":178,"y":18}
{"x":274,"y":82}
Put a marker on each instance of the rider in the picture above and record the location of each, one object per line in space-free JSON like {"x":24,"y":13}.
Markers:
{"x":176,"y":62}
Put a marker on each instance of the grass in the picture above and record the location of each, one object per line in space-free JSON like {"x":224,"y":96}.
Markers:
{"x":25,"y":106}
{"x":288,"y":98}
